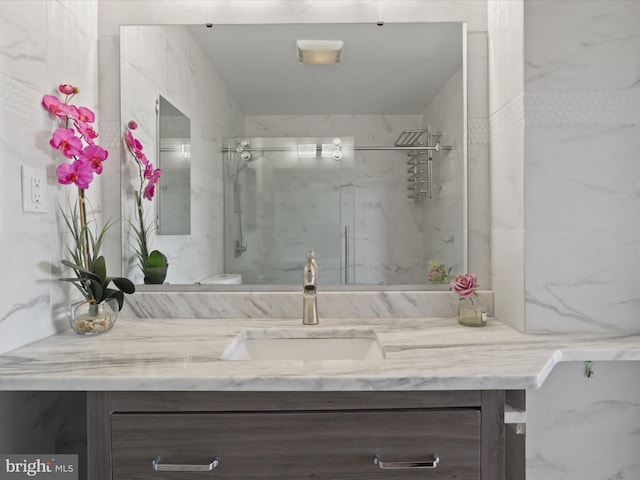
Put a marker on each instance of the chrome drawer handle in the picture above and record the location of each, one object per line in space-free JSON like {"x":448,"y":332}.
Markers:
{"x":433,"y":463}
{"x":168,"y":467}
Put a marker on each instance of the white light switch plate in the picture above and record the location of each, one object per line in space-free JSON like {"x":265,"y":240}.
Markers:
{"x":34,"y":189}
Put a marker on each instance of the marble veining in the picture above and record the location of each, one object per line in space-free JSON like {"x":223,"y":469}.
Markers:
{"x":420,"y":354}
{"x":200,"y":303}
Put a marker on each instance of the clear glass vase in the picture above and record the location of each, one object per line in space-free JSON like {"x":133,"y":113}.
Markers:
{"x":93,"y":318}
{"x":471,"y":313}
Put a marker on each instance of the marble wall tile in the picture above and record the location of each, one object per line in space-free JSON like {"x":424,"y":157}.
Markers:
{"x":23,"y":47}
{"x":507,"y":173}
{"x":508,"y":276}
{"x":582,"y":279}
{"x":573,"y":420}
{"x":153,"y":66}
{"x":25,"y":296}
{"x":477,"y":75}
{"x":582,"y":176}
{"x":590,"y":47}
{"x":385,"y":219}
{"x":44,"y":422}
{"x":506,"y":77}
{"x":444,"y":211}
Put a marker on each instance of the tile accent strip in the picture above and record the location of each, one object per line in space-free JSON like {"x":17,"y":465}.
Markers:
{"x":110,"y":134}
{"x":478,"y":131}
{"x":19,"y":100}
{"x":621,"y":107}
{"x":508,"y":119}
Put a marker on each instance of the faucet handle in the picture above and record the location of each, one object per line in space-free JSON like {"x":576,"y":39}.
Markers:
{"x":311,"y":254}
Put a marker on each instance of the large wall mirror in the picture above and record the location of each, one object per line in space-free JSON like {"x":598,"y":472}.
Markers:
{"x":363,"y":159}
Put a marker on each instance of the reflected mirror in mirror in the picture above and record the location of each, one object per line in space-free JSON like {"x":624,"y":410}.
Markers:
{"x":174,"y":158}
{"x":266,"y":188}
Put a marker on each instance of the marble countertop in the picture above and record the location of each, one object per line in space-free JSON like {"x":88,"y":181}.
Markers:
{"x":184,"y":354}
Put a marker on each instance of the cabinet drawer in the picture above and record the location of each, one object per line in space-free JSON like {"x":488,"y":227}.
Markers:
{"x":319,"y":445}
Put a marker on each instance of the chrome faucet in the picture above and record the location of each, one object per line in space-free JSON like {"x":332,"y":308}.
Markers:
{"x":309,"y":291}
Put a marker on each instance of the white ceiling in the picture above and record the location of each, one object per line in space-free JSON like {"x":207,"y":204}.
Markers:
{"x":395,"y":69}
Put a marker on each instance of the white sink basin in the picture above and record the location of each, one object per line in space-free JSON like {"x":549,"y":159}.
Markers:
{"x":304,"y":344}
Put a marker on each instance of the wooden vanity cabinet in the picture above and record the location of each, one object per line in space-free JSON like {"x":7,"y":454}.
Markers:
{"x":293,"y":435}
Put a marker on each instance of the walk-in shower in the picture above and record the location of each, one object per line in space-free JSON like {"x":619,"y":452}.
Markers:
{"x":287,"y":195}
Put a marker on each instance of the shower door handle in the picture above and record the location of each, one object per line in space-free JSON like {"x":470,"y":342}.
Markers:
{"x":346,"y":254}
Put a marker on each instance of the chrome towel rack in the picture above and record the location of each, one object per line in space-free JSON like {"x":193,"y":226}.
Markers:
{"x":421,"y":145}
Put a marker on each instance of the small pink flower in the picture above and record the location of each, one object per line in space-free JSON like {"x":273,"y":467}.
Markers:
{"x":86,"y":130}
{"x":132,"y":125}
{"x":82,"y":114}
{"x":77,"y":172}
{"x":144,"y":161}
{"x":93,"y":156}
{"x":153,"y":178}
{"x":133,"y":143}
{"x":67,"y":89}
{"x":55,"y":106}
{"x":63,"y":139}
{"x":149,"y":191}
{"x":464,"y":285}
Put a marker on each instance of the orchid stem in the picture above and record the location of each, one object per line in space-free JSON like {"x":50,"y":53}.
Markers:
{"x":83,"y":228}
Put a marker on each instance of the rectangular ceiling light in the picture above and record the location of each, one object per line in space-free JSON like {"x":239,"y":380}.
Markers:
{"x":319,"y":52}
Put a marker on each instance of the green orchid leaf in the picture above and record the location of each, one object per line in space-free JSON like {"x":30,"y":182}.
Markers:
{"x":92,"y":276}
{"x":100,"y":269}
{"x":123,"y":284}
{"x":117,"y":294}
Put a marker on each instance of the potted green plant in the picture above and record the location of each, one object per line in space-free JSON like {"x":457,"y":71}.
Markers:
{"x":153,"y":263}
{"x":74,"y":139}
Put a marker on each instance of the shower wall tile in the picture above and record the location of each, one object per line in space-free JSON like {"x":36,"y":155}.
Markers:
{"x":444,"y":211}
{"x":387,"y":222}
{"x":592,"y":47}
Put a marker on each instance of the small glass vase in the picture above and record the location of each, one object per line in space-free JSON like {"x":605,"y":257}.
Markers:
{"x":471,"y":313}
{"x":93,"y":318}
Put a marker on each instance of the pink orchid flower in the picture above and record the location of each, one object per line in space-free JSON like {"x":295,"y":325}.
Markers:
{"x":149,"y":190}
{"x":133,"y":143}
{"x":77,"y":172}
{"x":68,"y":89}
{"x":55,"y":106}
{"x":86,"y":130}
{"x":63,"y":139}
{"x":132,"y":125}
{"x":93,"y":156}
{"x":82,"y":114}
{"x":144,"y":161}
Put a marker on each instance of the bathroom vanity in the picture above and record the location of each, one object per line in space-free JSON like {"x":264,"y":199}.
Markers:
{"x":276,"y":435}
{"x":431,"y":407}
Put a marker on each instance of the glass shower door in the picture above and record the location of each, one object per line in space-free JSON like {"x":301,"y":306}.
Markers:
{"x":284,"y":197}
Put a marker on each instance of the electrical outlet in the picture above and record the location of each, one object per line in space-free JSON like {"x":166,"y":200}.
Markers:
{"x":34,"y":187}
